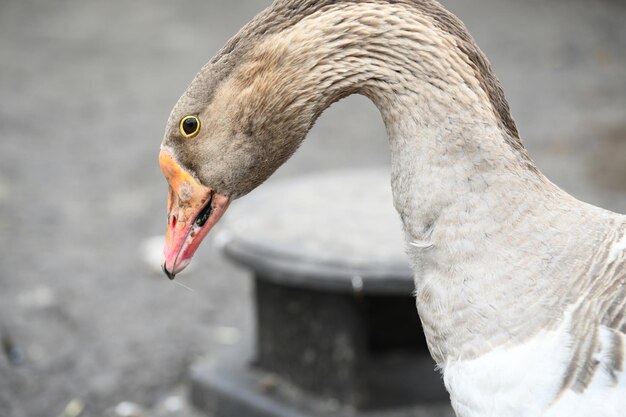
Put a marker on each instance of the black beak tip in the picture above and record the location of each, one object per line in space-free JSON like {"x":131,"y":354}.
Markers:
{"x":167,"y":273}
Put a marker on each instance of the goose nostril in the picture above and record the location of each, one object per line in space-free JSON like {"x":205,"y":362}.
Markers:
{"x":173,"y":221}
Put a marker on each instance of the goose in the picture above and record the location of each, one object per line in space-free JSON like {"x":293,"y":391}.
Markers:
{"x":521,"y":288}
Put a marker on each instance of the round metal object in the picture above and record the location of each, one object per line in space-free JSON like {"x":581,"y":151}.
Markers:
{"x":334,"y":231}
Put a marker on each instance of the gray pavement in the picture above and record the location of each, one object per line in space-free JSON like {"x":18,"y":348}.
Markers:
{"x":85,"y":90}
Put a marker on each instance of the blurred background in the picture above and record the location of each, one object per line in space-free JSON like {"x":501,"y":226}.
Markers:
{"x":85,"y":91}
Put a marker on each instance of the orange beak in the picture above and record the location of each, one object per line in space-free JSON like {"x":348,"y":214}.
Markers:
{"x":192,"y":211}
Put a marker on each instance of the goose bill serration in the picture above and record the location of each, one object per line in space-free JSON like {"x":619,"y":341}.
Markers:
{"x":521,"y":288}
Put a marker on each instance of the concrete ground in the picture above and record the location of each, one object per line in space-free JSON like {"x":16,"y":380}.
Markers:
{"x":85,"y":90}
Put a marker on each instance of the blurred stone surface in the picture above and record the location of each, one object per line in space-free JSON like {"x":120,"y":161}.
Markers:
{"x":86,"y":88}
{"x":73,"y":409}
{"x":127,"y":409}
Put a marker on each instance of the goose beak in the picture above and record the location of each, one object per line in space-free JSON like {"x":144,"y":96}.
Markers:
{"x":192,"y":211}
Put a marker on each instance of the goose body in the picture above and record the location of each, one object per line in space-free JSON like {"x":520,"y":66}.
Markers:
{"x":520,"y":287}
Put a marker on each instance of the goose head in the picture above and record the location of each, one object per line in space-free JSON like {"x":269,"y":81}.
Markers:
{"x":219,"y":145}
{"x":237,"y":122}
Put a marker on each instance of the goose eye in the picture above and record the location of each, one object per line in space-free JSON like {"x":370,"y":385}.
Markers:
{"x":189,"y":126}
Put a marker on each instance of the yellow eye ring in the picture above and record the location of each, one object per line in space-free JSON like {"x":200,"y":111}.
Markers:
{"x":189,"y":126}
